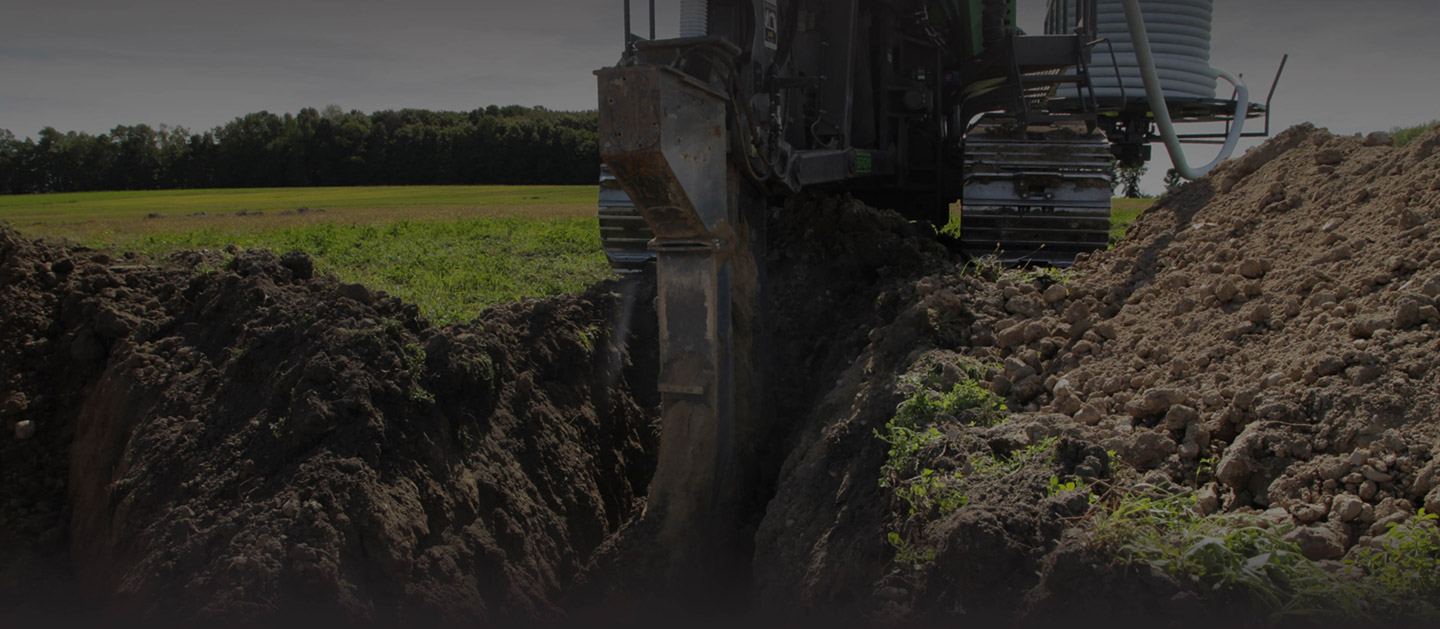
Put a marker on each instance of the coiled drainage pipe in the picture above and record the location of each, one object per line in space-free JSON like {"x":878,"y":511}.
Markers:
{"x":694,"y":18}
{"x":1179,"y":36}
{"x":1154,"y":90}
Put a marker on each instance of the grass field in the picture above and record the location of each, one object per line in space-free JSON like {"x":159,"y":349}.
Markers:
{"x":1123,"y":212}
{"x":452,"y":250}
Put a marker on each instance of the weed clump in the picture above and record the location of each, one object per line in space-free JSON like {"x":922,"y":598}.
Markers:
{"x":1246,"y":554}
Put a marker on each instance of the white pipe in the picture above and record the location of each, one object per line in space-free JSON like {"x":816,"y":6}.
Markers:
{"x":1153,"y":89}
{"x":694,"y":18}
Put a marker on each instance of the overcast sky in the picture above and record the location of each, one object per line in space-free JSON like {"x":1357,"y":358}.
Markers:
{"x":89,"y":65}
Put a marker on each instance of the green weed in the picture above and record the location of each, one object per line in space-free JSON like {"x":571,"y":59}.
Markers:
{"x":1000,"y":466}
{"x":1057,"y":486}
{"x":932,"y":491}
{"x":1053,"y":275}
{"x":905,"y":444}
{"x":969,"y":401}
{"x":480,"y":366}
{"x":415,"y":357}
{"x":907,"y":556}
{"x":588,"y":337}
{"x":987,"y":267}
{"x":1230,"y":553}
{"x":1405,"y":568}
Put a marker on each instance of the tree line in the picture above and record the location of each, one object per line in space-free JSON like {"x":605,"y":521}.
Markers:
{"x":327,"y":147}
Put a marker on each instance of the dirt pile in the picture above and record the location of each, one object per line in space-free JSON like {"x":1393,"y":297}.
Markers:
{"x":1268,"y":336}
{"x":231,"y":439}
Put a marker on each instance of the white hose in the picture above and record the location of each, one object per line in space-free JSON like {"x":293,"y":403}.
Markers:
{"x":694,"y":18}
{"x":1154,"y":91}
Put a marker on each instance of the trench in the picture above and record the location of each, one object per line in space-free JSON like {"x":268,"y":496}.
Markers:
{"x":829,"y":261}
{"x":245,"y":426}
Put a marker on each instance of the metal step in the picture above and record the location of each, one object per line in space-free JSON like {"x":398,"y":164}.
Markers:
{"x":1040,"y":196}
{"x":624,"y":234}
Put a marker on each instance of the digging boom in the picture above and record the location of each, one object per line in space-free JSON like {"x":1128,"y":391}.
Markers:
{"x":908,"y":105}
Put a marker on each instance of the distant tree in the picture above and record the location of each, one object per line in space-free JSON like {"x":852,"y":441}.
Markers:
{"x":1173,"y":180}
{"x":1129,"y":181}
{"x":12,"y":154}
{"x":135,"y":158}
{"x":490,"y":145}
{"x":1404,"y":135}
{"x":247,"y":158}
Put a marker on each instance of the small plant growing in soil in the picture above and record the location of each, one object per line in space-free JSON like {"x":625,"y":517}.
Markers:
{"x":999,"y":466}
{"x":907,"y":556}
{"x":480,"y":366}
{"x":1244,"y":553}
{"x":1405,"y":566}
{"x":931,"y":490}
{"x":987,"y":267}
{"x":1049,"y":275}
{"x":969,"y":402}
{"x":587,"y":338}
{"x":1057,"y":486}
{"x":906,"y":441}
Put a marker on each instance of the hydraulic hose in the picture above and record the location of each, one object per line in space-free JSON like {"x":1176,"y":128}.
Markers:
{"x":1155,"y":92}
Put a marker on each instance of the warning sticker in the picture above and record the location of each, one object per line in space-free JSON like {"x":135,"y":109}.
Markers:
{"x":772,"y":26}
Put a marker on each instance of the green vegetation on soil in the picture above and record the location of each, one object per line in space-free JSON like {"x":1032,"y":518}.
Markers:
{"x":452,"y":269}
{"x":1244,"y":554}
{"x":929,"y":493}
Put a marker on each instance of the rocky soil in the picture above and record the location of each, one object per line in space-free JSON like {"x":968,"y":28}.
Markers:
{"x":227,"y":437}
{"x":1269,"y":334}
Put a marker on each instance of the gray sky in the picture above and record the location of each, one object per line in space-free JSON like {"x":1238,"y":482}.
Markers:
{"x":89,"y":65}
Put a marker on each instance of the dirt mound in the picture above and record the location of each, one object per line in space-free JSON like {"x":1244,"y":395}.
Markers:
{"x":1266,"y":337}
{"x":254,"y":444}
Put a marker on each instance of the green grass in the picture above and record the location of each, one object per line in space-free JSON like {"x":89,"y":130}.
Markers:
{"x":87,"y":206}
{"x":1123,"y":212}
{"x":451,"y":269}
{"x":451,"y":250}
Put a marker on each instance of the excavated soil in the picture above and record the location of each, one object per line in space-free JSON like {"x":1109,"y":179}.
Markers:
{"x":252,"y":444}
{"x":226,"y":438}
{"x":1269,"y":333}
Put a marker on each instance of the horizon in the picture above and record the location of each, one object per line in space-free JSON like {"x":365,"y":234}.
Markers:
{"x":90,"y":66}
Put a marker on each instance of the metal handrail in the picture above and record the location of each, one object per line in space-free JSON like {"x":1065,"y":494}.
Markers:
{"x":630,"y":35}
{"x":1086,"y":12}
